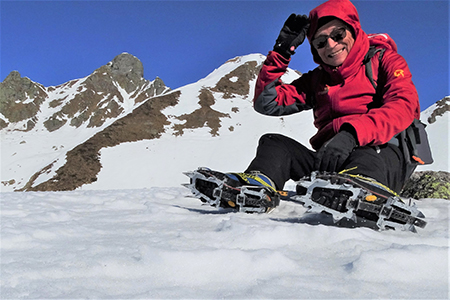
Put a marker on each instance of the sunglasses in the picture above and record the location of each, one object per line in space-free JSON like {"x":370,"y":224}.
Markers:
{"x":336,"y":35}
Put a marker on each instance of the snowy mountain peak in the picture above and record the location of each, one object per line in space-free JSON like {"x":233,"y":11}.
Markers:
{"x":49,"y":121}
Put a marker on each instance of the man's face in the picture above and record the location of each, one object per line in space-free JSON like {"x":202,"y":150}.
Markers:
{"x":334,"y":52}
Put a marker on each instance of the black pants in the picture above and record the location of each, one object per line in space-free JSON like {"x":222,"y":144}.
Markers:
{"x":282,"y":158}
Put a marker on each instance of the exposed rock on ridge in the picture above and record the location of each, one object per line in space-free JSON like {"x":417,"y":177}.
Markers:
{"x":204,"y":116}
{"x":127,"y":70}
{"x":238,"y":81}
{"x":20,"y":99}
{"x":442,"y":106}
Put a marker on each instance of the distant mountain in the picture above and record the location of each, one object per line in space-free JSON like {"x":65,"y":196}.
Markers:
{"x":109,"y":92}
{"x":116,"y":130}
{"x":40,"y":124}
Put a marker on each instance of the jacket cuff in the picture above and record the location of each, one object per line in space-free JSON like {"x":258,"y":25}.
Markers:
{"x":279,"y":58}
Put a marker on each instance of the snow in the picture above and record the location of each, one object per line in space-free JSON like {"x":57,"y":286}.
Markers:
{"x":159,"y":243}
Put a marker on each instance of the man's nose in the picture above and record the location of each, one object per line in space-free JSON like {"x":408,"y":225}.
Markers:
{"x":331,"y":43}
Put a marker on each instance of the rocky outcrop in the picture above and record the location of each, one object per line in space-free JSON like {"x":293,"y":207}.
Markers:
{"x":204,"y":116}
{"x":20,"y":99}
{"x":442,"y":106}
{"x":238,"y":81}
{"x":428,"y":184}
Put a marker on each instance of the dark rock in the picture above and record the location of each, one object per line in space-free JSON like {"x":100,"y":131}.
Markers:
{"x":428,"y":184}
{"x":204,"y":116}
{"x":20,"y":98}
{"x":237,"y":81}
{"x":442,"y":106}
{"x":128,"y":71}
{"x":127,"y":64}
{"x":3,"y":124}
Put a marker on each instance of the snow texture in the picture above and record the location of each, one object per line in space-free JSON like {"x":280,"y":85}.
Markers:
{"x":159,"y":243}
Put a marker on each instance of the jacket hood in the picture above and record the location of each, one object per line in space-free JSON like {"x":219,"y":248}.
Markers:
{"x":346,"y":11}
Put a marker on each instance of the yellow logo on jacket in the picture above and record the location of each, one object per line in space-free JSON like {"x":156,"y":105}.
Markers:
{"x":399,"y":73}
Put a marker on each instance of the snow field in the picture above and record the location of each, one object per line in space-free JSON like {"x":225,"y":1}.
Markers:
{"x":158,"y":243}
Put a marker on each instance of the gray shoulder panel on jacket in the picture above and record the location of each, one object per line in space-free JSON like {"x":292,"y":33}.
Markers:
{"x":267,"y":105}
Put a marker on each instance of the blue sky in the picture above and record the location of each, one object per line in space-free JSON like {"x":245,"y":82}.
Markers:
{"x":52,"y":42}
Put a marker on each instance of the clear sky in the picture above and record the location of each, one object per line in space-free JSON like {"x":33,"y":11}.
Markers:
{"x":52,"y":42}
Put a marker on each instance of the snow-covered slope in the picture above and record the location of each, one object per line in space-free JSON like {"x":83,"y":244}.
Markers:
{"x":157,"y":244}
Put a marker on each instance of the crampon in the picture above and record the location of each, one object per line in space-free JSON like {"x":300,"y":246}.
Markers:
{"x":357,"y":198}
{"x":219,"y":190}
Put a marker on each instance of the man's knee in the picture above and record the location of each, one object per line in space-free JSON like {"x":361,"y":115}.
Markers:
{"x":270,"y":136}
{"x":277,"y":138}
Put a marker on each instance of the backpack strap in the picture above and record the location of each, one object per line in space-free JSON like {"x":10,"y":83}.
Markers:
{"x":368,"y":64}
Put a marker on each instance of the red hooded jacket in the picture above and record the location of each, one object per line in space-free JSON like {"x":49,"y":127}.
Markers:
{"x":344,"y":95}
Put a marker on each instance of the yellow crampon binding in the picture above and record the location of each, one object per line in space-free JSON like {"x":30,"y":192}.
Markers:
{"x":369,"y":180}
{"x":247,"y":176}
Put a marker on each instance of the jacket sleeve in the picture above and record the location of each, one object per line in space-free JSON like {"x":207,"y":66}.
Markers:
{"x":274,"y":98}
{"x":400,"y":103}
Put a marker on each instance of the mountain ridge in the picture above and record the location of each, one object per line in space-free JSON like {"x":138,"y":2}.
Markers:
{"x":106,"y":93}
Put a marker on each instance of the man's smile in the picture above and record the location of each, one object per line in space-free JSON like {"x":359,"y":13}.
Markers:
{"x":331,"y":55}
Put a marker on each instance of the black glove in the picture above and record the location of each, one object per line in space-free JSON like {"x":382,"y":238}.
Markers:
{"x":292,"y":35}
{"x":333,"y":153}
